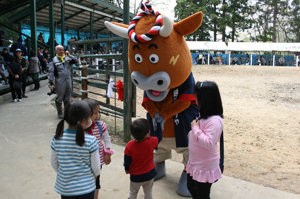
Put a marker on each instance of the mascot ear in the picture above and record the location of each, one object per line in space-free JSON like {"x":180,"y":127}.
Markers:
{"x":189,"y":24}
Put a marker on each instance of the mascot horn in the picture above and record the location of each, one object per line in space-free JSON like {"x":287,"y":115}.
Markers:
{"x":160,"y":63}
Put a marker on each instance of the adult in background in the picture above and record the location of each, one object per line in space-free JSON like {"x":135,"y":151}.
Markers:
{"x":34,"y":70}
{"x":23,"y":62}
{"x":40,"y":37}
{"x":271,"y":61}
{"x":2,"y":32}
{"x":235,"y":60}
{"x":15,"y":74}
{"x":42,"y":60}
{"x":19,"y":45}
{"x":55,"y":42}
{"x":263,"y":61}
{"x":46,"y":54}
{"x":5,"y":56}
{"x":59,"y":77}
{"x":281,"y":61}
{"x":1,"y":71}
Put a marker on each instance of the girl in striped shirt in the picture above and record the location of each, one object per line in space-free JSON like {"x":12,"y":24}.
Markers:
{"x":74,"y":154}
{"x":99,"y":130}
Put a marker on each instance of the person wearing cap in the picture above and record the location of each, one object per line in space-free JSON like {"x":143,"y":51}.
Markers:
{"x":23,"y":62}
{"x":59,"y":77}
{"x":19,"y":45}
{"x":2,"y":32}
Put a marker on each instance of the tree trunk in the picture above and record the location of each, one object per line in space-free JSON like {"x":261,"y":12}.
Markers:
{"x":274,"y":22}
{"x":215,"y":24}
{"x":233,"y":32}
{"x":223,"y":15}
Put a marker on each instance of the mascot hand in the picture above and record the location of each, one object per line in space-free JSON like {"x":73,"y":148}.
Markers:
{"x":158,"y":119}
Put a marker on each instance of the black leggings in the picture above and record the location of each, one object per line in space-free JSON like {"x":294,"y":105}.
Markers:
{"x":197,"y":189}
{"x":85,"y":196}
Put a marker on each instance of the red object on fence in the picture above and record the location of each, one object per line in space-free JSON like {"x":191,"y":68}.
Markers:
{"x":120,"y":87}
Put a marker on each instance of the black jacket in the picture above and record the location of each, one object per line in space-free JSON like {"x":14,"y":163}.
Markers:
{"x":14,"y":69}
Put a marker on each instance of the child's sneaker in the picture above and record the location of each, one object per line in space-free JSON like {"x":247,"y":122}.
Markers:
{"x":19,"y":100}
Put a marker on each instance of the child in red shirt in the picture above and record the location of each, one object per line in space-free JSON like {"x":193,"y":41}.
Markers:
{"x":138,"y":158}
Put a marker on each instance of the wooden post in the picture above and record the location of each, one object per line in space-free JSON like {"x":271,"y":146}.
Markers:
{"x":84,"y":85}
{"x":128,"y":88}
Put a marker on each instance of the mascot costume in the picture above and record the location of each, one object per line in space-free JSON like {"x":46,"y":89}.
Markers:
{"x":160,"y":63}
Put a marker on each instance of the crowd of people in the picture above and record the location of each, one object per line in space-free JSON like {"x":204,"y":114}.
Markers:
{"x":242,"y":60}
{"x":203,"y":59}
{"x":21,"y":66}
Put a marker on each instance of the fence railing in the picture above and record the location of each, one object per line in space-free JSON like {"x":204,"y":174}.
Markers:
{"x":90,"y":79}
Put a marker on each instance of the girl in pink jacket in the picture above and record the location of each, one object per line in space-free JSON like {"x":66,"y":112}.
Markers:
{"x":203,"y":165}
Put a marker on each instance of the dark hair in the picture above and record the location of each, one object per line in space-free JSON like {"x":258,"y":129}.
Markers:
{"x":32,"y":53}
{"x":20,"y":40}
{"x":92,"y":103}
{"x":139,"y":129}
{"x":11,"y":58}
{"x":4,"y":49}
{"x":208,"y":98}
{"x":75,"y":112}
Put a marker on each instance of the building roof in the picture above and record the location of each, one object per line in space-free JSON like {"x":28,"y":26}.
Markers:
{"x":77,"y":13}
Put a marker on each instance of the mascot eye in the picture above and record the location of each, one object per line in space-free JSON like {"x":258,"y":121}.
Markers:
{"x":154,"y":58}
{"x":138,"y":58}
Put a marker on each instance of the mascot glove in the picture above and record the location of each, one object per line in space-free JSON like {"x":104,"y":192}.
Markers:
{"x":158,"y":119}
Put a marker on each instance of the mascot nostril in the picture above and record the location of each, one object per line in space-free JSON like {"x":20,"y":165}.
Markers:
{"x":166,"y":78}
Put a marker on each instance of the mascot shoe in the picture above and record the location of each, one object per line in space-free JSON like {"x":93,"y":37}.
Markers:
{"x":160,"y":169}
{"x":182,"y":189}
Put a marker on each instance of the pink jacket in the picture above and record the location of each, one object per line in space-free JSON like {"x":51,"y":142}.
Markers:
{"x":203,"y":164}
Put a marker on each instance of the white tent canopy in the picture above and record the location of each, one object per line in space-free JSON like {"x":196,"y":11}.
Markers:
{"x":207,"y":45}
{"x":243,"y":46}
{"x":290,"y":47}
{"x":249,"y":46}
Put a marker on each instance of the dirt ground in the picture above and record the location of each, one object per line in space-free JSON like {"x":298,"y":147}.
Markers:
{"x":261,"y":122}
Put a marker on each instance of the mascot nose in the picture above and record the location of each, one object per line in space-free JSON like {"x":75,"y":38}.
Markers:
{"x":159,"y":81}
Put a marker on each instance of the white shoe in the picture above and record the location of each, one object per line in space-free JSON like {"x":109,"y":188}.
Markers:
{"x":19,"y":100}
{"x":14,"y":100}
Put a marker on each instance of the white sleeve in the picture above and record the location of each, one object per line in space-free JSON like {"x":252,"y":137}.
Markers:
{"x":106,"y":139}
{"x":54,"y":160}
{"x":95,"y":163}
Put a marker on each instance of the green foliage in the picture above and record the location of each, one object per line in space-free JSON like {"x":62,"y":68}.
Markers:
{"x":264,"y":20}
{"x":277,"y":21}
{"x":295,"y":19}
{"x":185,"y":8}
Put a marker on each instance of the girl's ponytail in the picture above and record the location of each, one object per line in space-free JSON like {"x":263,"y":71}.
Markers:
{"x":79,"y":135}
{"x":60,"y":126}
{"x":59,"y":129}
